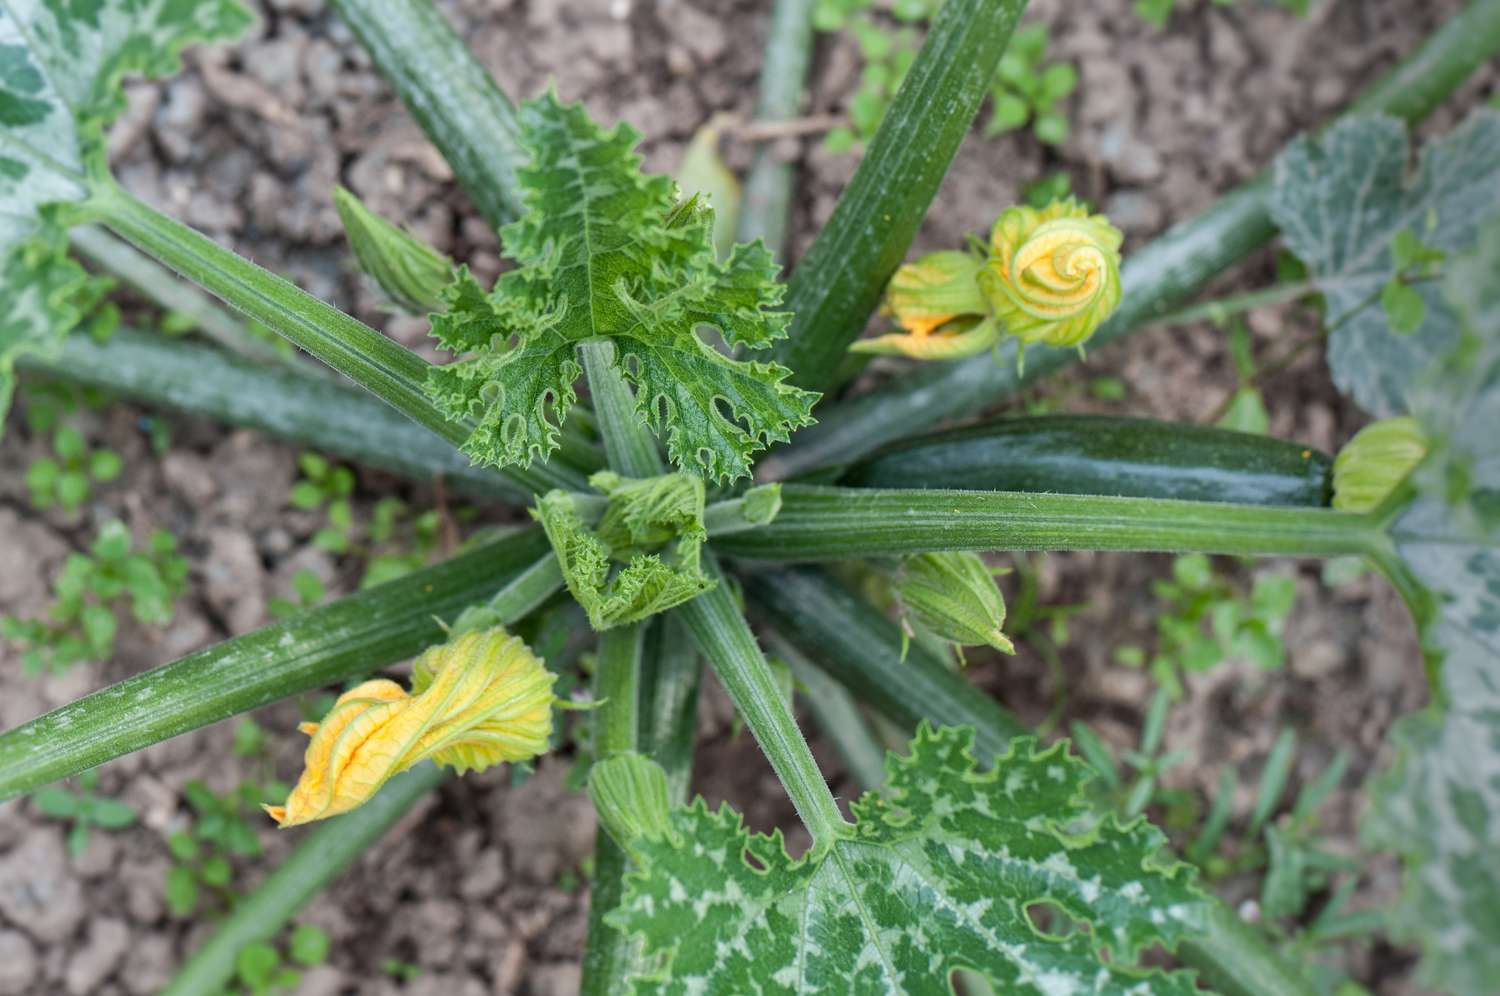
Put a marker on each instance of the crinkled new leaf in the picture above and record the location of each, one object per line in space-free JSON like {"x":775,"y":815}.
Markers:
{"x":604,"y":251}
{"x":938,"y":873}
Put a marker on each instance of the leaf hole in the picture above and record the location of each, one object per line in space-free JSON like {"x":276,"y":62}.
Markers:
{"x":1049,"y":920}
{"x":754,"y":860}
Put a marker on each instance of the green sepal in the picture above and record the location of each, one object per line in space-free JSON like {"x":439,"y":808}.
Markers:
{"x":629,"y":792}
{"x":954,"y":596}
{"x":411,"y":273}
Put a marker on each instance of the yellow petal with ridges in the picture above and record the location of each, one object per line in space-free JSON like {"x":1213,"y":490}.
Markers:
{"x":1053,"y":274}
{"x":477,"y":700}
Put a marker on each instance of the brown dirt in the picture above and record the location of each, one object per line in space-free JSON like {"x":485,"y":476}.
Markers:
{"x":247,"y":144}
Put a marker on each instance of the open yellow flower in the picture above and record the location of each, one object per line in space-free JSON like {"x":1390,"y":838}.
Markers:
{"x":480,"y":699}
{"x":1054,"y":274}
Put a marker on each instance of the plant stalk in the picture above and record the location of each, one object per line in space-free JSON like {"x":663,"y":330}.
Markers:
{"x":670,"y":676}
{"x":630,"y":449}
{"x":725,"y":638}
{"x":1157,"y":278}
{"x":765,"y":205}
{"x":472,"y":123}
{"x":838,"y":283}
{"x":171,"y":294}
{"x":824,"y":523}
{"x":837,"y":713}
{"x":323,"y":413}
{"x":344,"y":639}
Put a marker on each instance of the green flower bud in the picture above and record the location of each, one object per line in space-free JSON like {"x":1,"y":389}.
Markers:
{"x":954,"y":596}
{"x":629,"y":792}
{"x":1053,"y":275}
{"x":1377,"y":459}
{"x":410,"y":272}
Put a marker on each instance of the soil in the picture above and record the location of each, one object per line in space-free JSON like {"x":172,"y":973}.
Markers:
{"x":478,"y":886}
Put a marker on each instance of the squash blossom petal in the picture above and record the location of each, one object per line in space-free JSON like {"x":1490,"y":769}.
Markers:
{"x":934,"y":290}
{"x":478,"y":700}
{"x":1053,"y":275}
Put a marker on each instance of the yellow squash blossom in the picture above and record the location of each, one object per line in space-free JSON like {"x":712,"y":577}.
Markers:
{"x":480,"y":699}
{"x":938,"y":304}
{"x":1053,"y":275}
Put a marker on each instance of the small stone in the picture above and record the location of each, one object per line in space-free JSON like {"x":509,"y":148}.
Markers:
{"x":107,"y":942}
{"x":144,"y":884}
{"x":485,"y":876}
{"x":18,"y":967}
{"x":554,"y":980}
{"x":321,"y":980}
{"x":234,"y":579}
{"x":36,"y":891}
{"x":98,"y":858}
{"x":187,"y":476}
{"x":148,"y":966}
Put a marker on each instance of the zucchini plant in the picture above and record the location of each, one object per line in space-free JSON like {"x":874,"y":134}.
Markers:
{"x":681,"y":426}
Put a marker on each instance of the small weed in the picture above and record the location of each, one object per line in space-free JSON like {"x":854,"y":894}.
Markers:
{"x":84,"y":810}
{"x":326,"y":486}
{"x":81,"y":623}
{"x":1028,"y":88}
{"x":221,"y":830}
{"x":64,"y":479}
{"x":1206,"y":621}
{"x":309,"y":591}
{"x":261,"y":968}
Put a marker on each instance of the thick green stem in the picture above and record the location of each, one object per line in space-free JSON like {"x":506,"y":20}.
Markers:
{"x":325,"y":414}
{"x":860,"y":647}
{"x":670,"y":676}
{"x":458,"y":105}
{"x":344,"y":639}
{"x":765,"y":205}
{"x":725,"y":638}
{"x":616,"y":688}
{"x":1157,"y":278}
{"x":837,"y":713}
{"x":838,"y":283}
{"x":318,"y":860}
{"x":819,"y":523}
{"x":385,"y":368}
{"x":171,"y":294}
{"x":631,"y":450}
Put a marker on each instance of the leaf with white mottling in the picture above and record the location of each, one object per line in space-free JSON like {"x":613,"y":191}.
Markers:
{"x":1341,"y":197}
{"x":60,"y":71}
{"x":937,"y":874}
{"x":1440,"y":804}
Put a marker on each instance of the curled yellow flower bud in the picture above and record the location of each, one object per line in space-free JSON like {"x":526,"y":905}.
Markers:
{"x":934,"y":290}
{"x":1054,"y":274}
{"x":479,"y":699}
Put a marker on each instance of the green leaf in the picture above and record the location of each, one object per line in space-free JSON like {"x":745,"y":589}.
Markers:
{"x":606,"y":252}
{"x":182,"y":890}
{"x":112,"y":814}
{"x":58,"y":803}
{"x":256,"y":964}
{"x":309,"y":945}
{"x":60,"y":67}
{"x":1341,"y":199}
{"x":410,"y":272}
{"x":1440,"y":803}
{"x":940,"y":872}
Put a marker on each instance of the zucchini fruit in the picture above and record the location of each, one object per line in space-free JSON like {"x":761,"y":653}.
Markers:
{"x":1104,"y":455}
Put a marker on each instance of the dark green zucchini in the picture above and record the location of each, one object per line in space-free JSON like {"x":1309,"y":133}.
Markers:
{"x":1104,"y":455}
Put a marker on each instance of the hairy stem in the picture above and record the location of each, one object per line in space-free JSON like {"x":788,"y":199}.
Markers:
{"x":344,"y":639}
{"x":766,"y":203}
{"x":455,"y":101}
{"x":1157,"y":278}
{"x":385,"y":368}
{"x":838,"y":283}
{"x":725,"y":638}
{"x":821,"y":523}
